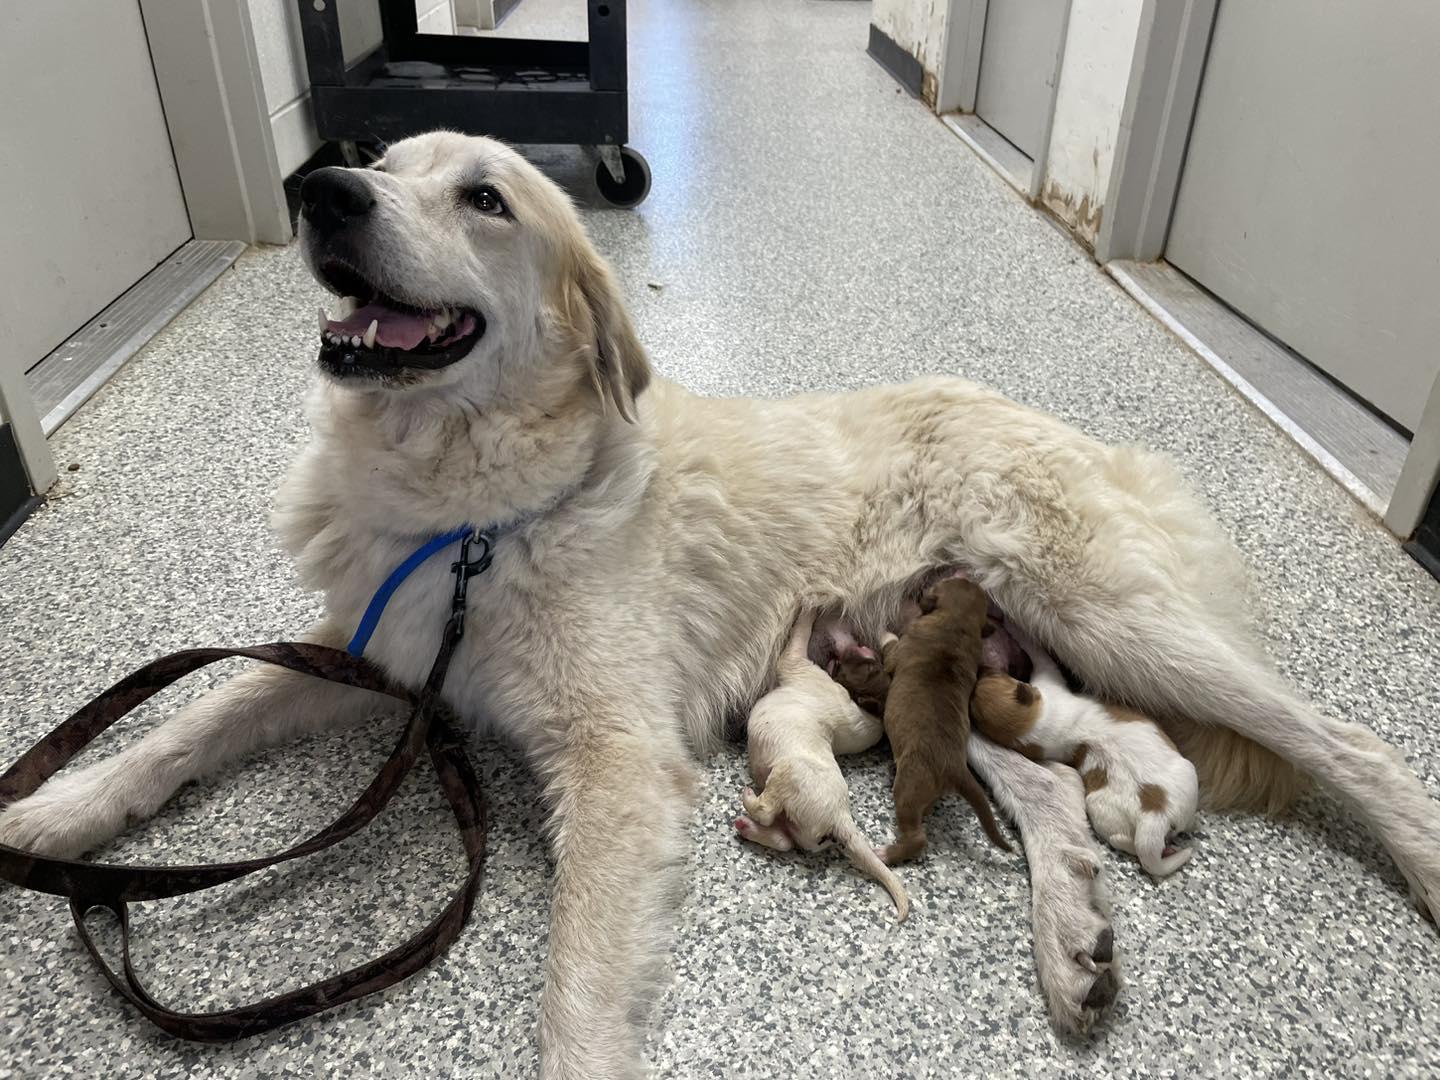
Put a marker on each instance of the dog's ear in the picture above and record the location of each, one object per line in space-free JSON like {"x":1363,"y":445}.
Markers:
{"x":609,"y":348}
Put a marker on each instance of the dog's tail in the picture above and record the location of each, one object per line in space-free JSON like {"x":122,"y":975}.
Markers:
{"x":1237,"y":773}
{"x":966,"y":784}
{"x":859,"y":851}
{"x":1151,"y":835}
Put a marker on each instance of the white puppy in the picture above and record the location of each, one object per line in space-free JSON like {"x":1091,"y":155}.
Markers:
{"x":794,"y":733}
{"x":1138,"y":787}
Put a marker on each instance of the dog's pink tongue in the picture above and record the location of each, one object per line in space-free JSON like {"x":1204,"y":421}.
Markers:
{"x":396,"y":329}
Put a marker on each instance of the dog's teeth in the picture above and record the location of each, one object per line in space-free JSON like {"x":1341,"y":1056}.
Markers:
{"x":348,"y":304}
{"x":324,"y":320}
{"x":355,"y":340}
{"x":369,"y":337}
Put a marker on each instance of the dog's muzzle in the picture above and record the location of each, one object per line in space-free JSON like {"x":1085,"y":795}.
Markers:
{"x":371,"y":333}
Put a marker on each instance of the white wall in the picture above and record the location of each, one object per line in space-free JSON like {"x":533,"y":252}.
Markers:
{"x":1099,"y":48}
{"x":281,"y":53}
{"x":918,"y":27}
{"x":1095,"y":71}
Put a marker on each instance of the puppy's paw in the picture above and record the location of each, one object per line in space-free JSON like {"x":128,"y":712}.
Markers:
{"x":752,"y":805}
{"x":765,"y":835}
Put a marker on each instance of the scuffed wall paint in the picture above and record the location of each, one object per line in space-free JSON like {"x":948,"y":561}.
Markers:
{"x":918,"y":27}
{"x":1095,"y":71}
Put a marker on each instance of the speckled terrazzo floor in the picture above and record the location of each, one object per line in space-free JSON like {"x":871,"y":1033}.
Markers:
{"x":810,"y":228}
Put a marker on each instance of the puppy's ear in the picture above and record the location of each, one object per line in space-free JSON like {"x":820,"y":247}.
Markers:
{"x":605,"y":337}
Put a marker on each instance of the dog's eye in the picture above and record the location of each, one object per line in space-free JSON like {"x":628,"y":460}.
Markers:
{"x":486,"y":199}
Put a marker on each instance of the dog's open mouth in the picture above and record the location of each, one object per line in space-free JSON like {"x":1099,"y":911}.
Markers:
{"x":367,"y":333}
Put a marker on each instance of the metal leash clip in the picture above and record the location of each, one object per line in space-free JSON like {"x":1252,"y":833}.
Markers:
{"x":466,"y":568}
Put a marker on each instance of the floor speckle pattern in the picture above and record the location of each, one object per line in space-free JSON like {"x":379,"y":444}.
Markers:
{"x":809,"y":227}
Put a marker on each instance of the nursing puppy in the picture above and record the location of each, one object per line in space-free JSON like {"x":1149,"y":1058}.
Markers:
{"x":794,"y":734}
{"x":932,"y":671}
{"x":1138,"y":787}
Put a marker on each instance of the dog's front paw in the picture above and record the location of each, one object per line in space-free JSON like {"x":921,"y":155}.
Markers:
{"x":65,"y":818}
{"x":1422,"y":875}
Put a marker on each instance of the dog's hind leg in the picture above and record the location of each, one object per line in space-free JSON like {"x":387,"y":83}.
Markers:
{"x":915,"y":793}
{"x":261,"y":707}
{"x":1183,"y":663}
{"x":1070,"y":905}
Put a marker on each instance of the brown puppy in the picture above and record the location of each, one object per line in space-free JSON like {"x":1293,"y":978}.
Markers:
{"x":931,"y":673}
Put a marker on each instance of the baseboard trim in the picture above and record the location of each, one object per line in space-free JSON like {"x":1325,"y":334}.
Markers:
{"x":903,"y":67}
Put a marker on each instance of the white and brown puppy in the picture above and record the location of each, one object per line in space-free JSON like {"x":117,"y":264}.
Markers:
{"x":794,"y":733}
{"x":1138,"y":787}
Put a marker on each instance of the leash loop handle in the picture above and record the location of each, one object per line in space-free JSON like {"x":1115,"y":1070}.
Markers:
{"x":113,"y":886}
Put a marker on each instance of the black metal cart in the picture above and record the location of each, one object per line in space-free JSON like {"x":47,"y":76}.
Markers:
{"x":523,"y":91}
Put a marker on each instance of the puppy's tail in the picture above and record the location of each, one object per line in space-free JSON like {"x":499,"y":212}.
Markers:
{"x":859,"y":851}
{"x":966,"y":784}
{"x":1151,"y":833}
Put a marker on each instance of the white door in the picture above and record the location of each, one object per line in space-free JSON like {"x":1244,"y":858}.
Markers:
{"x":1017,"y":59}
{"x":89,"y":197}
{"x":1307,"y":200}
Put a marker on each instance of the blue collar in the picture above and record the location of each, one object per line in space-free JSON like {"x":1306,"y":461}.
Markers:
{"x":488,"y":536}
{"x":371,"y":619}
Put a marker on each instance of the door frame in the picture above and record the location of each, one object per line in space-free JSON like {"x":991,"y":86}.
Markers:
{"x":208,"y":75}
{"x":1171,"y":49}
{"x":18,"y":411}
{"x":1419,"y":481}
{"x":959,"y":77}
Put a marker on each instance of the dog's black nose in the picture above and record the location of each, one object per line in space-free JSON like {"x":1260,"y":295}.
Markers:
{"x":331,"y":197}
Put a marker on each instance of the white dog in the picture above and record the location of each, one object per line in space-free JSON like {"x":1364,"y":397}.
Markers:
{"x":653,"y":548}
{"x":793,"y":735}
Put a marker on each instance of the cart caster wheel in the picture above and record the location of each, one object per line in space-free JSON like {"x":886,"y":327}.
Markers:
{"x":630,"y":191}
{"x":358,"y":155}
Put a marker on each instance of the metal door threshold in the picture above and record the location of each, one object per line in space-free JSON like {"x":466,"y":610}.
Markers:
{"x":1012,"y":163}
{"x":65,"y":379}
{"x":1354,"y":445}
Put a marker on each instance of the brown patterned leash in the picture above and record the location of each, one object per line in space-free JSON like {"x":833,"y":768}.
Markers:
{"x":114,"y":886}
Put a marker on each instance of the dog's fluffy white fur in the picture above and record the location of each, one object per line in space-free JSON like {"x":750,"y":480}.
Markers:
{"x":655,"y":568}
